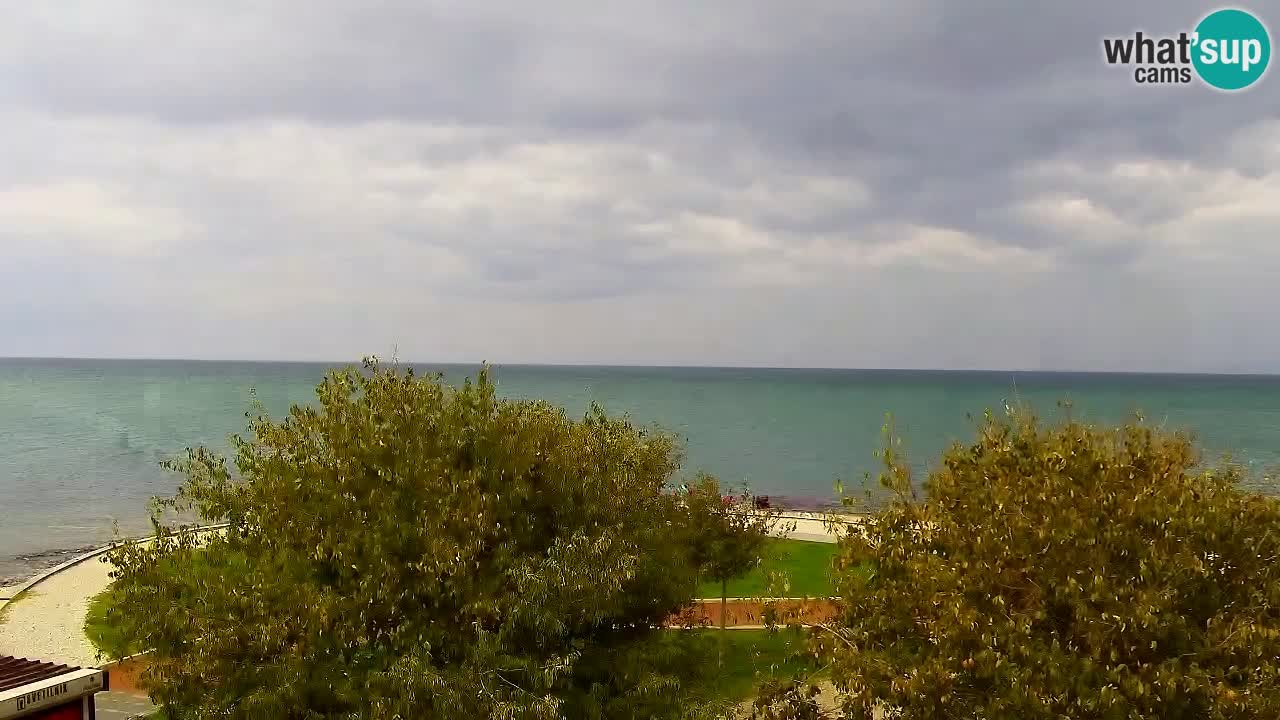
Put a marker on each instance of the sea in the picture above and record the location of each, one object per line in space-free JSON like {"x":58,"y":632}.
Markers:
{"x":81,"y":441}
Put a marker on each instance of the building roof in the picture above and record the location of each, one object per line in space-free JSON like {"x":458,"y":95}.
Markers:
{"x":16,"y":672}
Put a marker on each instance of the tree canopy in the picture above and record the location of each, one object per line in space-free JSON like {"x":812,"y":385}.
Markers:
{"x":408,"y":549}
{"x":1062,"y":571}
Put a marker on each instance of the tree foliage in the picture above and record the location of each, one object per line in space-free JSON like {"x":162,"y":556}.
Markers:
{"x":1063,"y":572}
{"x":730,"y":536}
{"x":732,"y":532}
{"x":406,"y":549}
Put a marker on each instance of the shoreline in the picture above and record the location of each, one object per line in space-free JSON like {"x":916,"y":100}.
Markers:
{"x":22,"y":568}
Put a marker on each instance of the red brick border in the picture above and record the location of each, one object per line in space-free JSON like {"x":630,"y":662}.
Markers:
{"x":747,"y":611}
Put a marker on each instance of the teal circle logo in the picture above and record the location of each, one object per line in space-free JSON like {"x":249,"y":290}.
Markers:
{"x":1231,"y":49}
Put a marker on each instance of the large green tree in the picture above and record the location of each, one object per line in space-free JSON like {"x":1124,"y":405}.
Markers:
{"x":1062,"y":571}
{"x":407,"y":549}
{"x":731,"y":535}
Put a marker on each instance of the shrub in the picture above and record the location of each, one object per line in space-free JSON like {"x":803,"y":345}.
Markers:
{"x":409,"y":549}
{"x":1063,"y":572}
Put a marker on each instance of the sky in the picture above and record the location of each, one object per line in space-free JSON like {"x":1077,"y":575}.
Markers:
{"x":918,"y":184}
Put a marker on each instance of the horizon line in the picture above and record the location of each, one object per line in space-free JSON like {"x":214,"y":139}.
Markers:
{"x":667,"y":366}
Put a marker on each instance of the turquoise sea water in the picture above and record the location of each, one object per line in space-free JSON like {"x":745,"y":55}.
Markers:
{"x":81,"y":440}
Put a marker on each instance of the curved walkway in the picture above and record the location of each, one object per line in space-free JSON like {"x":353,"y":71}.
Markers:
{"x":45,"y":617}
{"x":47,"y":621}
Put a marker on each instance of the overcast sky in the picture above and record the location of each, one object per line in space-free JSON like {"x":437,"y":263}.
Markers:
{"x":918,"y":183}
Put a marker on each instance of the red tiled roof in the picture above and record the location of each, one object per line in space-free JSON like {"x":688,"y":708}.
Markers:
{"x":16,"y":672}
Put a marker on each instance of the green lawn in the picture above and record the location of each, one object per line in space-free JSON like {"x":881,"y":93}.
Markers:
{"x":805,"y":565}
{"x":753,"y":656}
{"x":196,"y":572}
{"x":105,"y":636}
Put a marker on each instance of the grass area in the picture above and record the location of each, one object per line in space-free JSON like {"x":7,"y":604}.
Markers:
{"x":102,"y":633}
{"x":195,"y":570}
{"x":806,"y":567}
{"x":753,"y":656}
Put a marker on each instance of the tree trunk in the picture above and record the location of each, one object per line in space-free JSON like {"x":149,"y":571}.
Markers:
{"x":724,"y":601}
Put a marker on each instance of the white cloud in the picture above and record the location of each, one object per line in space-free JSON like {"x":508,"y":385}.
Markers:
{"x":648,"y":182}
{"x":1077,"y":217}
{"x":944,"y":249}
{"x":80,"y":216}
{"x":442,"y":200}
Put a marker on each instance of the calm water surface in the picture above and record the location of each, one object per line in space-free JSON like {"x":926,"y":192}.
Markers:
{"x":81,"y":440}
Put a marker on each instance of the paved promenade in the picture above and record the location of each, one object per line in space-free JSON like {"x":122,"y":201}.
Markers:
{"x":47,"y":621}
{"x":816,"y":527}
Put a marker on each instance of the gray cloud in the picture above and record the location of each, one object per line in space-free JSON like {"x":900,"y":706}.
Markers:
{"x":914,"y":184}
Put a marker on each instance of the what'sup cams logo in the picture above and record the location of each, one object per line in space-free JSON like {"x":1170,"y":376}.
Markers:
{"x":1229,"y":49}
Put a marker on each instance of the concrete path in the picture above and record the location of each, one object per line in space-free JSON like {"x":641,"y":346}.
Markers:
{"x":815,"y":527}
{"x":47,"y":621}
{"x":119,"y":706}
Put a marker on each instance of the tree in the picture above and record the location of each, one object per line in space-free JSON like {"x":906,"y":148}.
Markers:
{"x":406,"y":549}
{"x":1063,"y":571}
{"x":731,"y":533}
